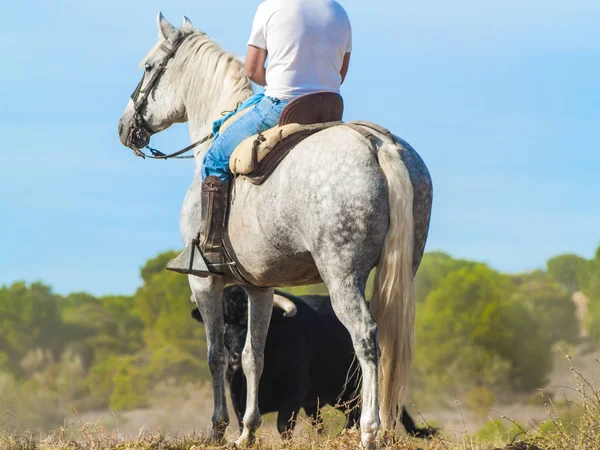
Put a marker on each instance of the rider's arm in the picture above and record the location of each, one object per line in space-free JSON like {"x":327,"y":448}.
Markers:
{"x":255,"y":65}
{"x":345,"y":66}
{"x":346,"y":61}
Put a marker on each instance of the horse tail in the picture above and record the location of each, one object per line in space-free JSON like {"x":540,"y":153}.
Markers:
{"x":393,"y":303}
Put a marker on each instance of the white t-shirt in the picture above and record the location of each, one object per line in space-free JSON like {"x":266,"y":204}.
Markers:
{"x":306,"y":41}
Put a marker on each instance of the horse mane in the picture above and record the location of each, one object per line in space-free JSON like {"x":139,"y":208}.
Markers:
{"x":210,"y":69}
{"x":209,"y":76}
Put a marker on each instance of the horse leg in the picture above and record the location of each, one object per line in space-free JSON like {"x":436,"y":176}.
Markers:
{"x":348,"y":301}
{"x":260,"y":307}
{"x":207,"y":294}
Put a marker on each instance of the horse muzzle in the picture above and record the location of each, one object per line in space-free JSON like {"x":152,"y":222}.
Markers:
{"x":133,"y":136}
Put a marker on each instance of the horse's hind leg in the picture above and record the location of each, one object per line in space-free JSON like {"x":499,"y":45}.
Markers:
{"x":207,"y":294}
{"x":260,"y":307}
{"x":348,"y":301}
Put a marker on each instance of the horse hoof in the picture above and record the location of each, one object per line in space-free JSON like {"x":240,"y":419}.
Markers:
{"x":245,"y":440}
{"x":216,"y":437}
{"x":368,"y":441}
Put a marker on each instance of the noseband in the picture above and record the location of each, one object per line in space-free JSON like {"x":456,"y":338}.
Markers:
{"x":140,"y":99}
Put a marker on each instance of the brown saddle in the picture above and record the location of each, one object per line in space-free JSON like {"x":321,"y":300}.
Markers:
{"x":258,"y":156}
{"x":319,"y":107}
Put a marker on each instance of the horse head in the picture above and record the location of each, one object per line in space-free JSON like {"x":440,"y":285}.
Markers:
{"x":156,"y":102}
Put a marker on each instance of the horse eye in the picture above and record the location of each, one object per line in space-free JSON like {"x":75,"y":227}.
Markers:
{"x":148,"y":67}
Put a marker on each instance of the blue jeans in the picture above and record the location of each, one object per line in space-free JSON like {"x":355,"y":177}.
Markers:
{"x":262,"y":116}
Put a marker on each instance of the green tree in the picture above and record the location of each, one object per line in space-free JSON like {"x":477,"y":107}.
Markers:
{"x":122,"y":323}
{"x":434,"y":267}
{"x":569,"y":270}
{"x":553,"y":308}
{"x":157,"y":265}
{"x":29,"y":319}
{"x":470,"y":332}
{"x":144,"y":339}
{"x":99,"y":327}
{"x":592,"y":291}
{"x":130,"y":386}
{"x":176,"y":343}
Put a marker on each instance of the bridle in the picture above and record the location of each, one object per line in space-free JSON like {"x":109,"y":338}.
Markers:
{"x":140,"y":98}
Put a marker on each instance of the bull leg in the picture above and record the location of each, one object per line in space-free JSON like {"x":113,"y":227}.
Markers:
{"x":207,"y":295}
{"x":260,"y":307}
{"x":349,"y":400}
{"x":314,"y":415}
{"x":298,"y":385}
{"x":353,"y":416}
{"x":237,"y":383}
{"x":286,"y":420}
{"x":348,"y":301}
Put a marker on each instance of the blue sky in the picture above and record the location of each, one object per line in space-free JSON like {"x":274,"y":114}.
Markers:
{"x":500,"y":98}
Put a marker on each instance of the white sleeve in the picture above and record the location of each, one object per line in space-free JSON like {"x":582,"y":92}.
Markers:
{"x":349,"y":44}
{"x":258,"y":36}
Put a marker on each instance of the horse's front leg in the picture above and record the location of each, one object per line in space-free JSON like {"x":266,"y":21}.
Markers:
{"x":207,"y":294}
{"x":260,"y":307}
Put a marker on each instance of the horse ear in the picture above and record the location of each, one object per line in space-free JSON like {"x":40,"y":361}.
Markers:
{"x":164,"y":27}
{"x":187,"y":23}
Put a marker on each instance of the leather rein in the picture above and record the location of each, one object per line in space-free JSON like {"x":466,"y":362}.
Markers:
{"x":140,"y":98}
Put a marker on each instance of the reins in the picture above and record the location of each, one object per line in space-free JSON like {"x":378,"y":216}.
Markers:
{"x":157,"y":154}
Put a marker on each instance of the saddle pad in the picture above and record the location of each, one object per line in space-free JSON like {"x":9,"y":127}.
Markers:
{"x":262,"y":152}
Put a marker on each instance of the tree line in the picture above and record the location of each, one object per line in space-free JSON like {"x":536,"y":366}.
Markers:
{"x":477,"y":329}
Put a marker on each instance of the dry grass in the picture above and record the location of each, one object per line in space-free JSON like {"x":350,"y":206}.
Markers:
{"x":573,"y":424}
{"x":98,"y":439}
{"x":95,"y":438}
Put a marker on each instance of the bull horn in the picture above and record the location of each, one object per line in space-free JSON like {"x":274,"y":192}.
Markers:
{"x":288,"y":307}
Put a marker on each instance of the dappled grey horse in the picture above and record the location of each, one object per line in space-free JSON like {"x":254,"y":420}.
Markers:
{"x":337,"y":206}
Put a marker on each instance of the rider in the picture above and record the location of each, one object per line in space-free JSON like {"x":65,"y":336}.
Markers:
{"x":308,"y":43}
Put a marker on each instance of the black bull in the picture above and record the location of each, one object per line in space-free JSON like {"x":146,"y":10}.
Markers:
{"x":309,"y":362}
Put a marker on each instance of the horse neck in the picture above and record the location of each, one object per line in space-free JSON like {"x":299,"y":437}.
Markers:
{"x":208,"y":96}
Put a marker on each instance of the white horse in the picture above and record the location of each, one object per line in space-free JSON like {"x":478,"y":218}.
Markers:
{"x":336,"y":207}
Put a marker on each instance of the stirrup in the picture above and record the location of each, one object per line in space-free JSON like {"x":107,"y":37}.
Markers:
{"x":191,"y":262}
